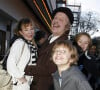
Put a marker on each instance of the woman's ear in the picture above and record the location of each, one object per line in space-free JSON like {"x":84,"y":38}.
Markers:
{"x":20,"y":32}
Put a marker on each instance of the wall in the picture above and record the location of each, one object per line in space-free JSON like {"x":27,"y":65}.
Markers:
{"x":14,"y":10}
{"x":17,"y":9}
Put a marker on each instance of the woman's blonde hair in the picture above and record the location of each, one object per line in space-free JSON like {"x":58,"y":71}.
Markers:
{"x":77,"y":37}
{"x":71,"y":48}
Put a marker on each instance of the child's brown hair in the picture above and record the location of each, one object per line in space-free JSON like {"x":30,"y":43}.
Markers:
{"x":71,"y":48}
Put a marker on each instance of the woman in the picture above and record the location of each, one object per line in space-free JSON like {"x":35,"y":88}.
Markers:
{"x":82,"y":42}
{"x":89,"y":65}
{"x":23,"y":52}
{"x":68,"y":75}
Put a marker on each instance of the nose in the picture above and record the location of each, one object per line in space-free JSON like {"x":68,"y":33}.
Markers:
{"x":81,"y":44}
{"x":83,"y":47}
{"x":30,"y":31}
{"x":55,"y":20}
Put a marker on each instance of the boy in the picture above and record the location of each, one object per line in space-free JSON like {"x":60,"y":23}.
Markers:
{"x":68,"y":76}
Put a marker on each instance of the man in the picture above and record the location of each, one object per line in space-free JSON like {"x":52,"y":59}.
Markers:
{"x":60,"y":27}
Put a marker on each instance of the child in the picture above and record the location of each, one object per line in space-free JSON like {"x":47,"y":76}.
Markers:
{"x":68,"y":76}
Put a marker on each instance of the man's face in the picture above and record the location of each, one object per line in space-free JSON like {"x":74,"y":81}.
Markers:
{"x":59,"y":23}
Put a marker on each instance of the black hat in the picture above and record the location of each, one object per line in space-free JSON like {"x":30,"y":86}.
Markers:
{"x":65,"y":10}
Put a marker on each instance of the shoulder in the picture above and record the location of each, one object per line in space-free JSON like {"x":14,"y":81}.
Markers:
{"x":81,"y":82}
{"x":79,"y":79}
{"x":77,"y":75}
{"x":18,"y":43}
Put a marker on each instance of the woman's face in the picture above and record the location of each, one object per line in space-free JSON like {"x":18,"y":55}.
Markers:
{"x":83,"y":42}
{"x":27,"y":32}
{"x":58,"y":25}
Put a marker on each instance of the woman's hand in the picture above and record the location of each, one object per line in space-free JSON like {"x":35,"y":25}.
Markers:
{"x":22,"y":80}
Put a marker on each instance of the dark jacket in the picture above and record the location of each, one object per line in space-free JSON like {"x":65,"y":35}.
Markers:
{"x":45,"y":67}
{"x":72,"y":79}
{"x":92,"y":65}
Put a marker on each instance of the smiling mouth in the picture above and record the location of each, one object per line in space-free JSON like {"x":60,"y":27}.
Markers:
{"x":56,"y":26}
{"x":58,"y":58}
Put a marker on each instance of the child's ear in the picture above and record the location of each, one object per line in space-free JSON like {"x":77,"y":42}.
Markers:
{"x":70,"y":60}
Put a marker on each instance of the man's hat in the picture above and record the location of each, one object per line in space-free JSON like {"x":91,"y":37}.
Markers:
{"x":65,"y":10}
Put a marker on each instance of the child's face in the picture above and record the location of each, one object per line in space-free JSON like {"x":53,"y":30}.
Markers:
{"x":61,"y":56}
{"x":83,"y":42}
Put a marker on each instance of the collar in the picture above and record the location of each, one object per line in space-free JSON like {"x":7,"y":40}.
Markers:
{"x":52,"y":38}
{"x":65,"y":73}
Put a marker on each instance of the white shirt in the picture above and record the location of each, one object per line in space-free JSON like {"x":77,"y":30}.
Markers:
{"x":53,"y":38}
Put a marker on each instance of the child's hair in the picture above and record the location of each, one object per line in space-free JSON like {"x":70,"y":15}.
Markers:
{"x":67,"y":44}
{"x":77,"y":37}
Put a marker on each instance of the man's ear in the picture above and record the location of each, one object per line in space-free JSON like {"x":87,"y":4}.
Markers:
{"x":67,"y":26}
